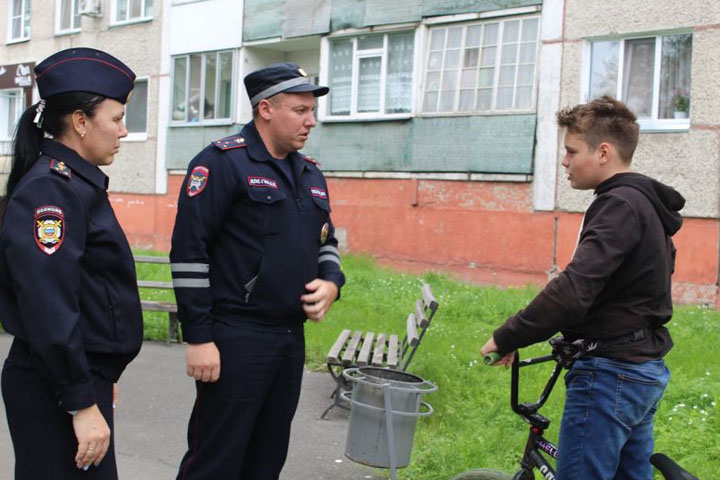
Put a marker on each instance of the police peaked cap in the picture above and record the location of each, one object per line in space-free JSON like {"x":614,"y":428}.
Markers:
{"x":280,"y":78}
{"x":84,"y":70}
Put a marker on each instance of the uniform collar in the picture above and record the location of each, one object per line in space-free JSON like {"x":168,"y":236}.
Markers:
{"x":257,"y":149}
{"x":77,"y":164}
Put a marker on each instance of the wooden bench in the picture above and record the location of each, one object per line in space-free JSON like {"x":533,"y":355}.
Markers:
{"x":359,"y":349}
{"x":157,"y":306}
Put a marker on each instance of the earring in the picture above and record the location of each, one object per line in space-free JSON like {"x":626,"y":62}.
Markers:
{"x":82,"y":136}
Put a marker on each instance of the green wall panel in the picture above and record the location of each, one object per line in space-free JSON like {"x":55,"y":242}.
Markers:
{"x":361,"y":146}
{"x":183,"y":143}
{"x":383,"y":12}
{"x":347,"y":14}
{"x":490,"y":144}
{"x":306,"y":17}
{"x":450,"y":7}
{"x":263,"y":19}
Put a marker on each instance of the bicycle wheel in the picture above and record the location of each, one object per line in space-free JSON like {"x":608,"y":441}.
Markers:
{"x":482,"y":474}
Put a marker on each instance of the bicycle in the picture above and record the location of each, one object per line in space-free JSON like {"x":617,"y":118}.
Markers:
{"x":537,"y":446}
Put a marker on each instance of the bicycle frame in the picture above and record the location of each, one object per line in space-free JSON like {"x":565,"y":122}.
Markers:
{"x":536,"y":443}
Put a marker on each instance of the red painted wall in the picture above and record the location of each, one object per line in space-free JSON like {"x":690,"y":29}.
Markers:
{"x":483,"y":232}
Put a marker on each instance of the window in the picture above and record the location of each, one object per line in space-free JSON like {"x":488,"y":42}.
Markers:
{"x":482,"y":67}
{"x":650,"y":74}
{"x":19,"y":20}
{"x":137,"y":108}
{"x":127,"y":11}
{"x":371,"y":76}
{"x":12,"y":105}
{"x":202,"y":87}
{"x":67,"y":17}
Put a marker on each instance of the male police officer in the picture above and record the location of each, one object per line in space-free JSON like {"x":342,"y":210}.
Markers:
{"x":253,"y":255}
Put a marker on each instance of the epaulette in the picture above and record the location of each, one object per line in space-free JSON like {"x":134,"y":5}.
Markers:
{"x":60,"y":168}
{"x":227,"y":143}
{"x":311,"y":160}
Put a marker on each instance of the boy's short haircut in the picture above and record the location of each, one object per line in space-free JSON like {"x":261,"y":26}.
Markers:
{"x":603,"y":120}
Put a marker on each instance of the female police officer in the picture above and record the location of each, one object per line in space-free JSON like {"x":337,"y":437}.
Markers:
{"x":67,"y":280}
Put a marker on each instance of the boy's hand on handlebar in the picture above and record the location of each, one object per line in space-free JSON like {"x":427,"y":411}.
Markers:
{"x":490,"y":346}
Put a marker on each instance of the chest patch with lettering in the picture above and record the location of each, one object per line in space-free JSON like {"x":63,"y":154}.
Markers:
{"x":318,"y":192}
{"x":262,"y":182}
{"x":49,"y":226}
{"x":197,"y":181}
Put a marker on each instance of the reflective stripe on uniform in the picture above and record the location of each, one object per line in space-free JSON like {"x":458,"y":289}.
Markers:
{"x":191,"y":282}
{"x":190,"y":267}
{"x":329,"y":258}
{"x":329,"y":249}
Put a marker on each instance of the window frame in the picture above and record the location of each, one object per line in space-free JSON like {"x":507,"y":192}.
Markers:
{"x":500,"y":20}
{"x":140,"y":136}
{"x":233,"y":89}
{"x":354,"y":116}
{"x":6,"y":143}
{"x":651,"y":124}
{"x":21,"y":38}
{"x":58,"y":20}
{"x":129,"y":21}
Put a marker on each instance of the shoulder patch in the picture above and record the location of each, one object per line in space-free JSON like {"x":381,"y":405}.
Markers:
{"x":197,"y":181}
{"x":60,"y":168}
{"x":49,"y":226}
{"x":227,"y":143}
{"x":311,"y":160}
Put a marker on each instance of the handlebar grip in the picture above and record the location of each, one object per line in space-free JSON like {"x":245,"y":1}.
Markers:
{"x":491,"y":358}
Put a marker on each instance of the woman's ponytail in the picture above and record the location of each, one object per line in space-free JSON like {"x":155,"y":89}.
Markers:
{"x":26,"y":149}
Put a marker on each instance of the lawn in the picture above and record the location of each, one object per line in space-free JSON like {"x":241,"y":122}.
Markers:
{"x":473,"y":426}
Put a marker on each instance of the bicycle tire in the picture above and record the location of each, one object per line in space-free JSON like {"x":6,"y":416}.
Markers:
{"x":482,"y":474}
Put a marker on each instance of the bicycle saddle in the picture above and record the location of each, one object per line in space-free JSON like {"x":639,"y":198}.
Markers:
{"x":670,"y":469}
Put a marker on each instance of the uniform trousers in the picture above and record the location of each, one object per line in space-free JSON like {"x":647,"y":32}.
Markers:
{"x":42,"y":432}
{"x":240,"y":425}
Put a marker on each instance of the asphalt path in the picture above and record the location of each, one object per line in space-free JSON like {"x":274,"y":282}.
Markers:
{"x":154,"y":406}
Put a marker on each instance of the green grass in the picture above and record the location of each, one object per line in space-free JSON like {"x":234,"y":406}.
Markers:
{"x":473,"y":426}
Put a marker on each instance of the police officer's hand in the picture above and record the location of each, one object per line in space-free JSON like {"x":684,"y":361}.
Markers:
{"x":93,"y":436}
{"x":491,"y":346}
{"x":322,"y":295}
{"x":203,"y":362}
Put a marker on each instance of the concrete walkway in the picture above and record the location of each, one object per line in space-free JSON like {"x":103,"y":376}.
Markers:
{"x":154,"y":407}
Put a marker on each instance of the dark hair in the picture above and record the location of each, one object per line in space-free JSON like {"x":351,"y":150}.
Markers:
{"x":26,"y":144}
{"x":603,"y":120}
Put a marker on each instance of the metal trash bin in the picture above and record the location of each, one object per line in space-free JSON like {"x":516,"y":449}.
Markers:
{"x":385,"y":406}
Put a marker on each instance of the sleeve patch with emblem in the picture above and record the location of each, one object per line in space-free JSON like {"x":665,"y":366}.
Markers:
{"x":49,"y":227}
{"x":197,"y":181}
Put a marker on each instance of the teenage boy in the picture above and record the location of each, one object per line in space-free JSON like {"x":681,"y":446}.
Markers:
{"x":615,"y":292}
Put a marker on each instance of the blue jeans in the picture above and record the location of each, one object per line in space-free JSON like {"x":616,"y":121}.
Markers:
{"x":607,"y":425}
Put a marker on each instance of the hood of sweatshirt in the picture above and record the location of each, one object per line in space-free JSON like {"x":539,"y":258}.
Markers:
{"x":667,"y":201}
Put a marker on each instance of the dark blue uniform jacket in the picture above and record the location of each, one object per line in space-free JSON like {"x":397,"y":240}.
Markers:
{"x":247,"y":239}
{"x":68,"y":289}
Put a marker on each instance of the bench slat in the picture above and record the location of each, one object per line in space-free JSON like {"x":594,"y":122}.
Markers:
{"x":158,"y":306}
{"x":412,"y":333}
{"x":150,"y":259}
{"x":379,"y":353}
{"x":364,"y":355}
{"x":153,"y":284}
{"x":334,"y":353}
{"x":347,"y":358}
{"x":429,"y":298}
{"x":392,"y":357}
{"x":420,"y":317}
